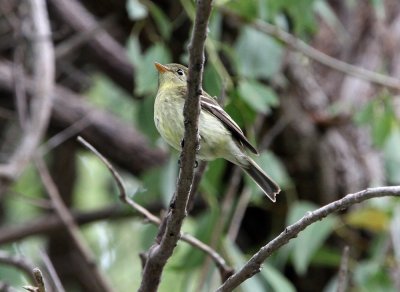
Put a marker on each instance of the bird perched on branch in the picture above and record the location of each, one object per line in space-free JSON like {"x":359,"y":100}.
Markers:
{"x":220,"y":136}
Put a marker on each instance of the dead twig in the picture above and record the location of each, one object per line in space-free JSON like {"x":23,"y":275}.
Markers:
{"x":39,"y":282}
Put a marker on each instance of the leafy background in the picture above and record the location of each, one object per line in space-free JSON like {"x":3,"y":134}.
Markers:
{"x":253,"y":72}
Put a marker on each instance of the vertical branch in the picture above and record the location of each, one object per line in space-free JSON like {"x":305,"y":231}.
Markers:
{"x":43,"y":70}
{"x":161,"y":251}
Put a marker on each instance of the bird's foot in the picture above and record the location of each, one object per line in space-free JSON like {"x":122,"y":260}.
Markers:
{"x":196,"y":163}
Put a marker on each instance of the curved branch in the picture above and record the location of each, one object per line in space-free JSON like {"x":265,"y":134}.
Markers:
{"x":253,"y":266}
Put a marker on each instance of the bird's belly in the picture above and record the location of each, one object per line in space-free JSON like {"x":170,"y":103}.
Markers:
{"x":215,"y":139}
{"x":168,"y":118}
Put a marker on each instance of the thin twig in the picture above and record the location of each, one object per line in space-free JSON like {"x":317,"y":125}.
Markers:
{"x":343,"y":271}
{"x":38,"y":280}
{"x":238,"y":215}
{"x":100,"y":283}
{"x":315,"y":54}
{"x":253,"y":266}
{"x":118,"y":179}
{"x":219,"y":261}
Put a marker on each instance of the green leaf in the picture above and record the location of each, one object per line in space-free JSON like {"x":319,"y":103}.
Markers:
{"x":380,"y":116}
{"x":163,"y":23}
{"x":299,"y":13}
{"x":144,"y":117}
{"x":146,"y":77}
{"x":105,"y":94}
{"x":192,"y":258}
{"x":257,"y":95}
{"x":93,"y":181}
{"x":215,"y":26}
{"x":136,"y":10}
{"x":212,"y":81}
{"x":247,"y":9}
{"x":258,"y":55}
{"x":371,"y":219}
{"x":253,"y":284}
{"x":392,"y":157}
{"x":327,"y":257}
{"x":372,"y":276}
{"x":133,"y":49}
{"x":276,"y":279}
{"x":365,"y":115}
{"x":381,"y":128}
{"x":310,"y":239}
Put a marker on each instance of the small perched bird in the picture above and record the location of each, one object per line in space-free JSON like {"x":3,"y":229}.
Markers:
{"x":220,"y":136}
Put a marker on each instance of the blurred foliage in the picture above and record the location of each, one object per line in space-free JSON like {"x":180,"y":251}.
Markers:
{"x":117,"y":244}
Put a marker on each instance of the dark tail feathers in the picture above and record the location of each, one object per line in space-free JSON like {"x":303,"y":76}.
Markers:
{"x":270,"y":188}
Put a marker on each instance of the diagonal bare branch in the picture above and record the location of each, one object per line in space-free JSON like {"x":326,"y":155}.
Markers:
{"x":253,"y":266}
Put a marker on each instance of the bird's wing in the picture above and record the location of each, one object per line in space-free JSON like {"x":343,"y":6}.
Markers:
{"x":211,"y":105}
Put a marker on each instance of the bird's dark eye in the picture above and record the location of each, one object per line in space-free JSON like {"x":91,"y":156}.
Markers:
{"x":180,"y":72}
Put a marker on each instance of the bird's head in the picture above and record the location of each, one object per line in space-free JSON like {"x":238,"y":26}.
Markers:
{"x":171,"y":74}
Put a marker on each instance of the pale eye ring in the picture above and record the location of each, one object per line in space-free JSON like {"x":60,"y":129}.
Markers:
{"x":180,"y":72}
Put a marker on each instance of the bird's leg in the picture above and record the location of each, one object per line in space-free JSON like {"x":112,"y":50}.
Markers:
{"x":196,"y":163}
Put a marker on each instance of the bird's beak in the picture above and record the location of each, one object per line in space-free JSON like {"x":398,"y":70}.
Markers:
{"x":161,"y":68}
